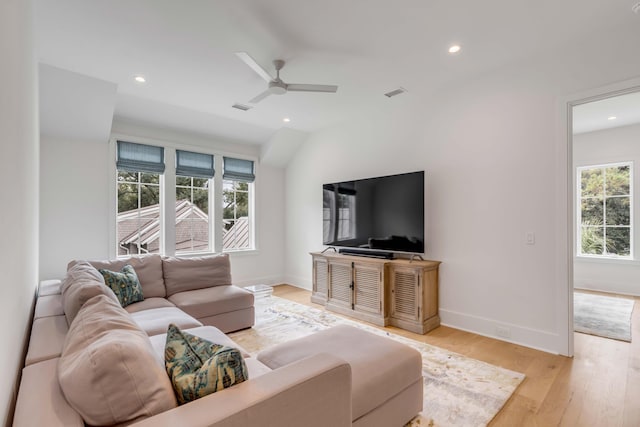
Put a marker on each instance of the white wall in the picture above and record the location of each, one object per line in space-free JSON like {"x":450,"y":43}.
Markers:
{"x":74,"y":204}
{"x":490,"y":151}
{"x":620,"y":144}
{"x":19,"y":192}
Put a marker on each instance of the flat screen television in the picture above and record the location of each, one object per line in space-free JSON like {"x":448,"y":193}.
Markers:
{"x":374,"y":216}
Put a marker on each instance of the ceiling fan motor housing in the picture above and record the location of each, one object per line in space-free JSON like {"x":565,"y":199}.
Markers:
{"x":277,"y":87}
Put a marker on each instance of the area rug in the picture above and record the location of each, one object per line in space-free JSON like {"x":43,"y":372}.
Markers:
{"x":458,"y":391}
{"x":601,"y":315}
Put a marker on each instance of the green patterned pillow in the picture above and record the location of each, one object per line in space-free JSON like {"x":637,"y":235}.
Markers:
{"x":198,"y":367}
{"x":124,"y":284}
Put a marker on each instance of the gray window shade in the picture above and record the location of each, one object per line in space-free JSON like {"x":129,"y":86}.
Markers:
{"x":238,"y":169}
{"x":194,"y":164}
{"x":140,"y":158}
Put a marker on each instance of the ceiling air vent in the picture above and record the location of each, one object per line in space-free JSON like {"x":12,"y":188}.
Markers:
{"x":395,"y":92}
{"x":241,"y":107}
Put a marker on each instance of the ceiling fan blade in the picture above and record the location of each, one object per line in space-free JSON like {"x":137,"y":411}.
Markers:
{"x":260,"y":97}
{"x":247,"y":59}
{"x":294,"y":87}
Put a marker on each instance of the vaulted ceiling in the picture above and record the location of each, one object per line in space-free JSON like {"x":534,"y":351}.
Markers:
{"x":185,"y":50}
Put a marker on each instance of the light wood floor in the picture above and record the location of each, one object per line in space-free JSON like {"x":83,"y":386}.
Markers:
{"x":599,"y":386}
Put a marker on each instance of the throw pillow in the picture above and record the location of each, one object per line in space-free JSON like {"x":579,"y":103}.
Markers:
{"x":124,"y":284}
{"x":108,"y":371}
{"x":198,"y":367}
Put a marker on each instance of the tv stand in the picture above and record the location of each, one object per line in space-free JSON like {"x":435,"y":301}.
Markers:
{"x":397,"y":292}
{"x":369,"y":254}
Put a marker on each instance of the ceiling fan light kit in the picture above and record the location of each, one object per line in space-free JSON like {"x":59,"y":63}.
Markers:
{"x":275,"y":85}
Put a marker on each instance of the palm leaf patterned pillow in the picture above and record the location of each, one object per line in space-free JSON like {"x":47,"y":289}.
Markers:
{"x":198,"y":367}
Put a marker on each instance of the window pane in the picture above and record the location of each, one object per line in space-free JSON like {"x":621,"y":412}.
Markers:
{"x":127,"y":176}
{"x":150,"y":178}
{"x":149,"y":195}
{"x":592,"y":211}
{"x":127,"y":197}
{"x":183,"y":180}
{"x":201,"y":199}
{"x":618,"y":211}
{"x":617,"y":180}
{"x":592,"y":240}
{"x":201,"y":182}
{"x":592,"y":182}
{"x":619,"y":241}
{"x":183,"y":194}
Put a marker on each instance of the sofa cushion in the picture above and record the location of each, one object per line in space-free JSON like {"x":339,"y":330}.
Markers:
{"x":48,"y":305}
{"x":147,"y":267}
{"x":208,"y":302}
{"x":198,"y":367}
{"x":81,"y":283}
{"x":108,"y":371}
{"x":148,"y":304}
{"x":47,"y":339}
{"x":186,"y":274}
{"x":156,"y":320}
{"x":124,"y":284}
{"x":40,"y":401}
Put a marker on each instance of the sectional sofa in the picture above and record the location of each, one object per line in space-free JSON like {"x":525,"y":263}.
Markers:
{"x":92,"y":362}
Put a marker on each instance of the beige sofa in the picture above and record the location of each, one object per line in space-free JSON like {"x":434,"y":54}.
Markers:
{"x":89,"y":359}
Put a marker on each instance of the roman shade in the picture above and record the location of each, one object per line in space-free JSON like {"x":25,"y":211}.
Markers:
{"x":238,"y":170}
{"x":194,"y":164}
{"x":140,"y":158}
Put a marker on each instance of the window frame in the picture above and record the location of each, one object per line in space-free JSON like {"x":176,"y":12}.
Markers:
{"x":168,"y":197}
{"x":578,"y":213}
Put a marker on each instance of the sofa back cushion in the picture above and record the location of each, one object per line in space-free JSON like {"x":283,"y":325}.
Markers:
{"x":147,"y":267}
{"x":187,"y":274}
{"x":108,"y":371}
{"x":81,"y":283}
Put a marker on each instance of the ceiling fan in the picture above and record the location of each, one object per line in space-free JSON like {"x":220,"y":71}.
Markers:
{"x":276,"y":85}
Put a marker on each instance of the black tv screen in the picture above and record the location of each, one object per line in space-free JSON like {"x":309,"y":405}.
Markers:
{"x":384,"y":213}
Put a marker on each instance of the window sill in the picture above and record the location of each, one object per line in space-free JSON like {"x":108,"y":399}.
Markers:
{"x":603,"y":260}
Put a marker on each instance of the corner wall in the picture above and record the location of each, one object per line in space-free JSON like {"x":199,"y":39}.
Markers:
{"x":490,"y":151}
{"x":19,"y":192}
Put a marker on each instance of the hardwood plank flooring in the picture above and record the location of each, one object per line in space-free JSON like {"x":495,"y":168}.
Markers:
{"x":599,"y":386}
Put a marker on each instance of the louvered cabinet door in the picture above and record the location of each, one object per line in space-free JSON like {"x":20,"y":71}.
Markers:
{"x":405,"y":293}
{"x":368,"y":292}
{"x":340,"y":278}
{"x":320,"y":290}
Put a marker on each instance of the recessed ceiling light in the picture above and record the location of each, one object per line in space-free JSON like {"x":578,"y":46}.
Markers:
{"x":286,"y":120}
{"x":611,"y":118}
{"x":454,"y":49}
{"x":140,"y":79}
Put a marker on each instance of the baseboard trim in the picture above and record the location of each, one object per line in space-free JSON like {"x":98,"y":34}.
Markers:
{"x":526,"y":337}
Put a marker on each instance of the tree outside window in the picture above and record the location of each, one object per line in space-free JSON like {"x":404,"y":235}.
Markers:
{"x":605,"y":210}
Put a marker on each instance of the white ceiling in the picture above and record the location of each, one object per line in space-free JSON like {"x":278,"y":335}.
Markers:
{"x":186,"y":48}
{"x":595,"y":115}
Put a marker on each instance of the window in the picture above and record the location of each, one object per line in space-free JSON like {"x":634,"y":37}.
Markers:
{"x":192,"y":214}
{"x":138,"y":204}
{"x":237,"y":186}
{"x":145,"y":193}
{"x":194,"y":172}
{"x":604,"y":216}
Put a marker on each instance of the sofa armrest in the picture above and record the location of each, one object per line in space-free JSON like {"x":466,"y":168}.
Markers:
{"x":314,"y":392}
